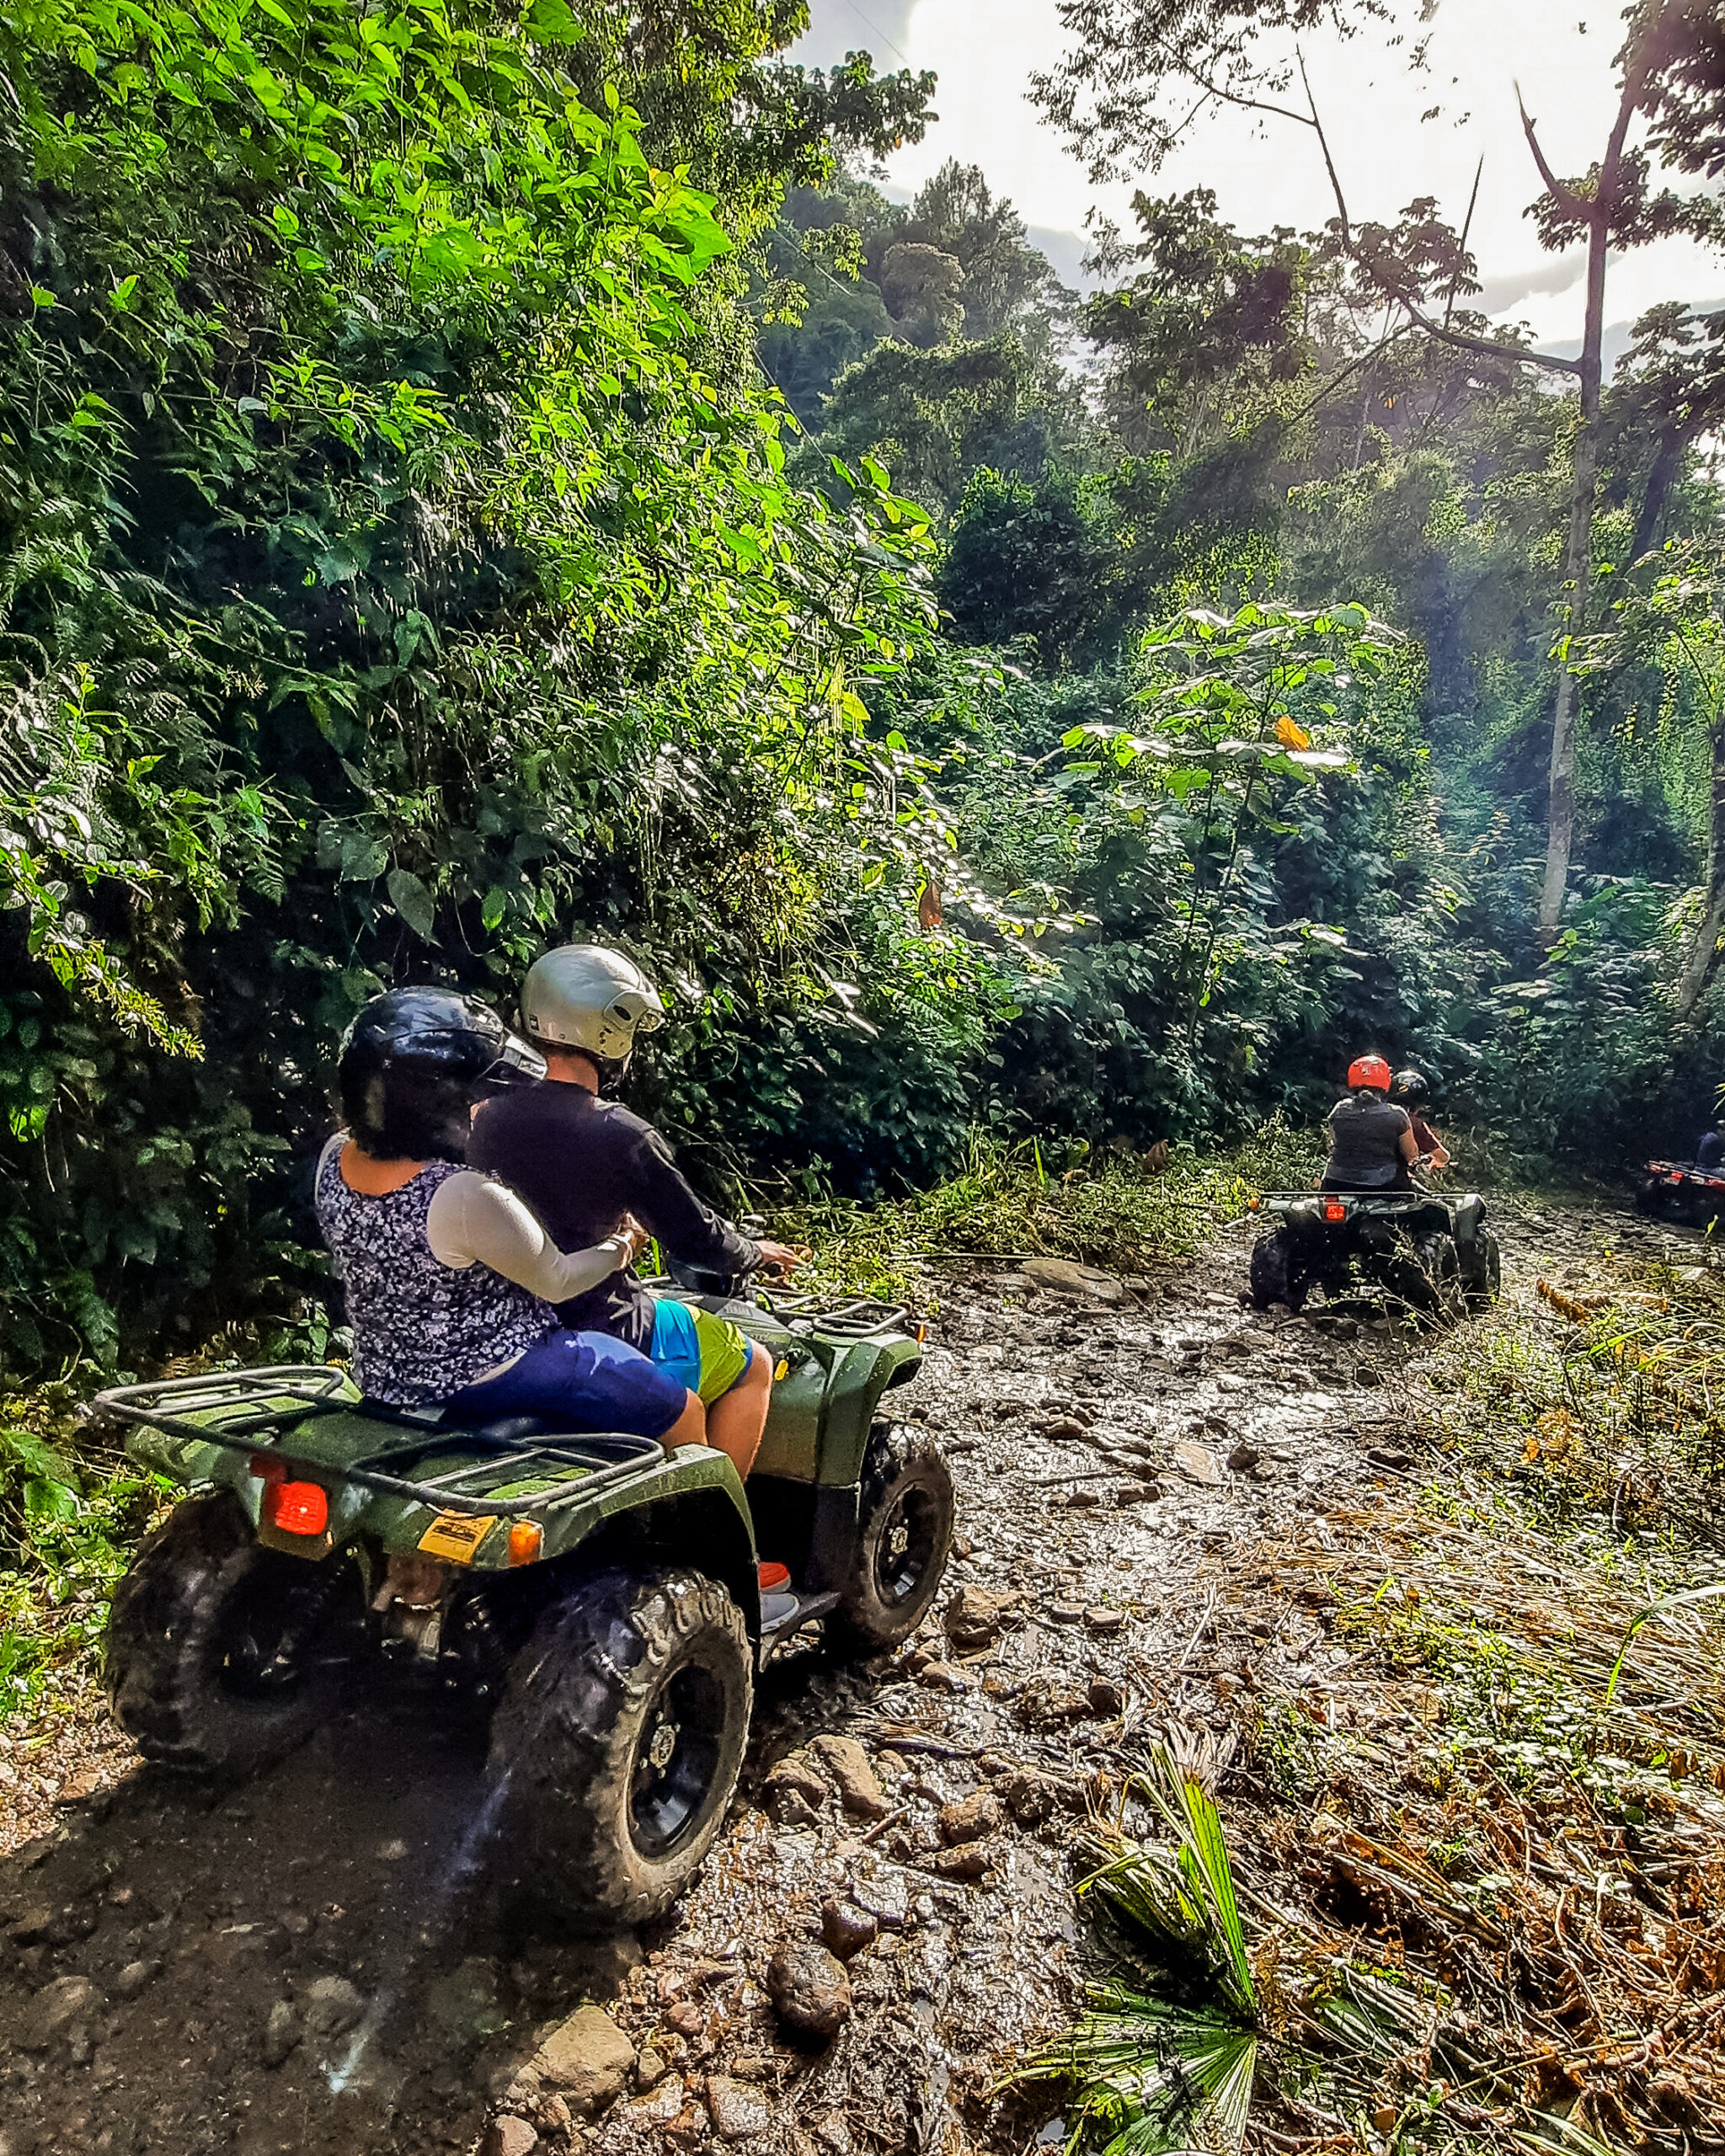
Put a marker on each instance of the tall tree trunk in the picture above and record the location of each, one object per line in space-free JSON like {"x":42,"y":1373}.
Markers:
{"x":1577,"y":555}
{"x":1702,"y":956}
{"x":1577,"y":573}
{"x":1667,"y":463}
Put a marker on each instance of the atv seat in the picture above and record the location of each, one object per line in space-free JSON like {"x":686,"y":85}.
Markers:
{"x":511,"y":1429}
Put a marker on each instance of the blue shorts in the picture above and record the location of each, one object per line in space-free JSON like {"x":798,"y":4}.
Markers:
{"x":588,"y":1378}
{"x":707,"y":1353}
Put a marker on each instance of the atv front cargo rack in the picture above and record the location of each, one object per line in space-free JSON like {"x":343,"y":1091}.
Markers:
{"x":859,"y":1318}
{"x":250,"y":1411}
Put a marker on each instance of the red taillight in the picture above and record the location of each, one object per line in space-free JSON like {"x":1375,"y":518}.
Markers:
{"x":297,"y":1507}
{"x":1335,"y":1211}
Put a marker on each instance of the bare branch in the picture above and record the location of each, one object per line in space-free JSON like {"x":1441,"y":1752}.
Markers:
{"x":1329,"y":161}
{"x":1486,"y":345}
{"x":1576,"y":204}
{"x":1467,"y":228}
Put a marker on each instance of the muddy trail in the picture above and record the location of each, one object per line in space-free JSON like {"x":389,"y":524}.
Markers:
{"x":311,"y":1964}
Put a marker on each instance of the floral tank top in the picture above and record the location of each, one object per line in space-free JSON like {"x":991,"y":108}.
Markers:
{"x":422,"y":1330}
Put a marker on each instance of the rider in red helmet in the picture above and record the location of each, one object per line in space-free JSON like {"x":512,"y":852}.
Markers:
{"x":1372,"y":1146}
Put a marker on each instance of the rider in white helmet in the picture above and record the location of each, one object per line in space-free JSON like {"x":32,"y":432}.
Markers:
{"x":577,"y":1156}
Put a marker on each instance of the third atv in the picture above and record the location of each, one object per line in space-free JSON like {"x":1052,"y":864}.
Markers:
{"x":594,"y":1597}
{"x":1431,"y":1252}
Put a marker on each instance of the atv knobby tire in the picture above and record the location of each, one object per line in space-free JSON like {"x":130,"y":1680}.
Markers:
{"x":1276,"y":1275}
{"x":903,"y":1533}
{"x":1482,"y":1285}
{"x":1427,"y":1278}
{"x":221,"y":1657}
{"x":617,"y":1747}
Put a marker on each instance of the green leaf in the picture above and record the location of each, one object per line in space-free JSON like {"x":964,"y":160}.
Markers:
{"x":362,"y":857}
{"x":414,"y":902}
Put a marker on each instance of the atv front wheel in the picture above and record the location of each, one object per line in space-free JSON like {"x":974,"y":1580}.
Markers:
{"x":618,"y":1745}
{"x":905,"y":1531}
{"x":220,"y":1655}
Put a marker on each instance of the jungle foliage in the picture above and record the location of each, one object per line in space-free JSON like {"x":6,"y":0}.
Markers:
{"x":475,"y":474}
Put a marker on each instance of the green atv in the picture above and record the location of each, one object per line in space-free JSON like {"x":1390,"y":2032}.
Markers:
{"x":596,"y":1598}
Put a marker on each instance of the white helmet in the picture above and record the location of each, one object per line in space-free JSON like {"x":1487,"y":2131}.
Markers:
{"x":589,"y":998}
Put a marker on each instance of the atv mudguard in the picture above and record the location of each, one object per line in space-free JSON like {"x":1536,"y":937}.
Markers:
{"x":694,"y":1492}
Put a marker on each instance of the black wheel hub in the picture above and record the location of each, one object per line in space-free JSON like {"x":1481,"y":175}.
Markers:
{"x":676,"y":1761}
{"x":906,"y":1546}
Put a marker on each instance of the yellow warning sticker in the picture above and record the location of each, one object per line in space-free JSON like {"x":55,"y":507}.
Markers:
{"x":456,"y":1535}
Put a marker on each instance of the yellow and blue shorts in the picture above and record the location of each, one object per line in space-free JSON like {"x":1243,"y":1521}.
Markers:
{"x":704,"y":1353}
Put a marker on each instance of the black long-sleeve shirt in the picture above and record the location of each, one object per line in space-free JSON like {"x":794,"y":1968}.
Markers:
{"x":581,"y":1163}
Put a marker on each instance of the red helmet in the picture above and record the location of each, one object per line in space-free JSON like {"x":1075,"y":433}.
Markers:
{"x":1369,"y":1071}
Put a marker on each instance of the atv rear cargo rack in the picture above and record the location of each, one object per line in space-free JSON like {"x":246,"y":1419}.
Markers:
{"x":260,"y":1419}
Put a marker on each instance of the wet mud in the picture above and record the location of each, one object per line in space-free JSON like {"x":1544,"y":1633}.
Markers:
{"x":312,"y":1964}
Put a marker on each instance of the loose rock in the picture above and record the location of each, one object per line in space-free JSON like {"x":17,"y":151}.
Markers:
{"x":810,"y":1990}
{"x":738,"y":2110}
{"x":847,"y":1928}
{"x":281,"y":2032}
{"x":968,"y":1860}
{"x":850,"y":1766}
{"x":510,"y":2137}
{"x":796,"y":1793}
{"x":1197,"y":1464}
{"x":1104,"y":1621}
{"x":650,"y":2069}
{"x":1066,"y":1278}
{"x":587,"y":2057}
{"x":134,"y":1978}
{"x":333,"y":2006}
{"x":59,"y":2009}
{"x":975,"y":1618}
{"x":970,"y":1819}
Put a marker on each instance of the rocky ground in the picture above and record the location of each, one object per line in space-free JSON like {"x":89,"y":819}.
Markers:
{"x":889,"y":1921}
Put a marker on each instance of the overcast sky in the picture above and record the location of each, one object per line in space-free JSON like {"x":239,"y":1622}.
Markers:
{"x":1270,"y":172}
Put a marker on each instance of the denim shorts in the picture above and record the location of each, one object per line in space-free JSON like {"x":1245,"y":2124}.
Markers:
{"x":588,"y":1378}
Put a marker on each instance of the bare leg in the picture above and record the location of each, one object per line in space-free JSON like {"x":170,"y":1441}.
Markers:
{"x":690,"y":1428}
{"x":735,"y":1423}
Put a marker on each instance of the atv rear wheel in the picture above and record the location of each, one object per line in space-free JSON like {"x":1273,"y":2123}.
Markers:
{"x":618,"y":1745}
{"x":1427,"y":1278}
{"x":220,"y":1655}
{"x":905,"y":1531}
{"x":1486,"y":1279}
{"x":1277,"y":1275}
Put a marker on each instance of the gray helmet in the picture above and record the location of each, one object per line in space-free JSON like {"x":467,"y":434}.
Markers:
{"x":591,"y":1000}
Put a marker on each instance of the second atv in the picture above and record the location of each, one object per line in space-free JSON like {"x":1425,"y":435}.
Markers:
{"x":1432,"y":1253}
{"x":596,"y":1598}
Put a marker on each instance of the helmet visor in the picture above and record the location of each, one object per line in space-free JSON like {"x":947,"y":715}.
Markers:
{"x":515,"y":1064}
{"x":635,"y":1012}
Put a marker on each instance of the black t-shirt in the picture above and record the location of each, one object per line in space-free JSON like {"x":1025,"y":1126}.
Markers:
{"x":581,"y":1163}
{"x":1365,"y":1143}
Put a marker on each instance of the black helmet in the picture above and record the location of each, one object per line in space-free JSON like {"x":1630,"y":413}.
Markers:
{"x":1409,"y":1085}
{"x":414,"y":1062}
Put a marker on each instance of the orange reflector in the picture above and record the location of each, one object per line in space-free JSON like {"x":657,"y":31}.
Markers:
{"x":921,"y":1334}
{"x":526,"y":1538}
{"x":297,"y":1507}
{"x":1333,"y":1211}
{"x":1253,"y":1203}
